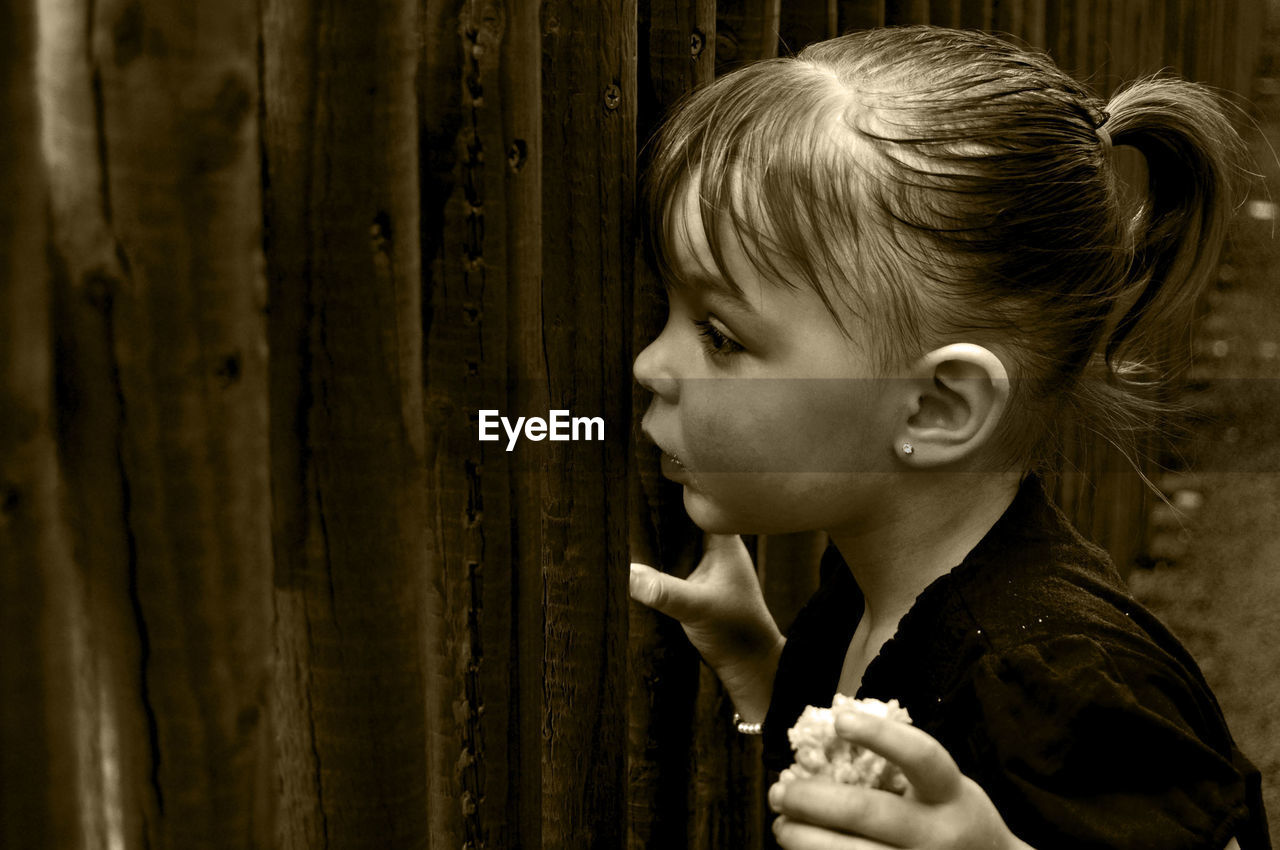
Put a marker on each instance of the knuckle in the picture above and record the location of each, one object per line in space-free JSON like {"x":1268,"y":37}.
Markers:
{"x":655,"y":593}
{"x":933,"y":753}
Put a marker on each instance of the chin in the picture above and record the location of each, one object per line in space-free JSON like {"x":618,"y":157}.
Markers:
{"x":714,"y":518}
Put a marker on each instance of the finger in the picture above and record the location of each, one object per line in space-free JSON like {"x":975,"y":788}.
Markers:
{"x":794,"y":835}
{"x":662,"y":592}
{"x":932,"y":772}
{"x":868,"y":812}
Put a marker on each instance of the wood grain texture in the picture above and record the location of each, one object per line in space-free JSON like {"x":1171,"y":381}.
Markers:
{"x":804,"y":23}
{"x":162,"y":418}
{"x":521,"y":86}
{"x":40,"y":798}
{"x":353,"y":554}
{"x":977,"y":14}
{"x":114,"y":732}
{"x":906,"y":12}
{"x":727,"y":805}
{"x":678,"y":49}
{"x":589,"y":100}
{"x":746,"y":30}
{"x":475,"y":212}
{"x":860,"y":14}
{"x":662,"y":667}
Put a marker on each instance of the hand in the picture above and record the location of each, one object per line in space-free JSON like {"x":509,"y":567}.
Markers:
{"x":723,"y":612}
{"x":942,"y":809}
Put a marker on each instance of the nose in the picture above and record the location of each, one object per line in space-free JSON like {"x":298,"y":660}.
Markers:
{"x":652,"y":368}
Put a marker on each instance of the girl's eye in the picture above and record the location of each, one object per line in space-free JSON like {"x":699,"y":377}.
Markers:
{"x":714,"y":341}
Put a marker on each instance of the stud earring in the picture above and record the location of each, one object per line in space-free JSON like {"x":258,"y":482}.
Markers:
{"x":907,"y":448}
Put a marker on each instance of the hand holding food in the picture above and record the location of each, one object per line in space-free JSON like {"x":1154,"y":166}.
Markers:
{"x":936,"y":807}
{"x":820,"y":752}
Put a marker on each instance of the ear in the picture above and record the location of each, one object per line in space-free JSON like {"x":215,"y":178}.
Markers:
{"x":958,"y":394}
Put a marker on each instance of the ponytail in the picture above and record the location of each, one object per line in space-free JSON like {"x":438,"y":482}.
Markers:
{"x":1192,"y":154}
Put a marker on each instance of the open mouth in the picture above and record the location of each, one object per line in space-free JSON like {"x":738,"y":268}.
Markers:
{"x":674,"y":468}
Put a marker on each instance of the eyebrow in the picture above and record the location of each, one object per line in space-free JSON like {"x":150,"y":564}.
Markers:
{"x":712,"y":283}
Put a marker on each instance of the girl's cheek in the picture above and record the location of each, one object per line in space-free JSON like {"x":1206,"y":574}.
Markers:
{"x":778,"y":426}
{"x":720,"y":430}
{"x":745,"y":426}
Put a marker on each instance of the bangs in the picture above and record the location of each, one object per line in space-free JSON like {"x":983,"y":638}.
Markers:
{"x":771,"y":153}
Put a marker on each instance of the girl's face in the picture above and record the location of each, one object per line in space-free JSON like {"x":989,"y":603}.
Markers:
{"x":771,"y":418}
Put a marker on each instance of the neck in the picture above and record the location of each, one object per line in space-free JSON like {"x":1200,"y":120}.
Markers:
{"x":925,"y":532}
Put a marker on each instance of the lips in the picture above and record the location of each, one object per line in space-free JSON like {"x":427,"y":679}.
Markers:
{"x":672,"y":466}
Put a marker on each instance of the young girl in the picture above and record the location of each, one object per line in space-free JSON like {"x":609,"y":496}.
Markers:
{"x":893,"y":263}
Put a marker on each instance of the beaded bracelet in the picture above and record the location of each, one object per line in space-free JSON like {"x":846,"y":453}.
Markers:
{"x":747,"y":728}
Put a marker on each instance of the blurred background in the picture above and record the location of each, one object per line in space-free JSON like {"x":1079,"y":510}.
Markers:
{"x":260,"y":266}
{"x":1211,"y":565}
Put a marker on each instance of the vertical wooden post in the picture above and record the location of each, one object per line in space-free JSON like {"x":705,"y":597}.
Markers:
{"x":861,"y":14}
{"x":589,"y":101}
{"x":522,"y":91}
{"x":906,"y":12}
{"x":977,"y":14}
{"x":804,"y":23}
{"x":479,"y":91}
{"x":40,"y":797}
{"x":110,"y":731}
{"x":354,"y":569}
{"x":662,"y":668}
{"x":746,"y":30}
{"x":162,"y":417}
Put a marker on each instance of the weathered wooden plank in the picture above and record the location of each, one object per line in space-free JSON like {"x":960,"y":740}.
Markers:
{"x":946,"y":13}
{"x":805,"y":23}
{"x":521,"y":90}
{"x":860,"y":14}
{"x":1082,"y":62}
{"x":727,"y":789}
{"x":1179,"y":37}
{"x":1009,"y":17}
{"x":662,"y":667}
{"x":113,"y":740}
{"x":1152,"y":38}
{"x":746,"y":30}
{"x":1034,"y":23}
{"x":1124,"y":53}
{"x":472,"y":153}
{"x":353,"y":554}
{"x":678,"y":53}
{"x":588,"y":131}
{"x":1201,"y":35}
{"x":977,"y":14}
{"x":1059,"y":32}
{"x":176,"y":100}
{"x":41,"y":796}
{"x":1102,"y":71}
{"x":164,"y":281}
{"x":906,"y":12}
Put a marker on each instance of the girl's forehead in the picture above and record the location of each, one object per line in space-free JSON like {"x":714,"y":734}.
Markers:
{"x":686,"y":238}
{"x":704,"y":239}
{"x":719,"y":262}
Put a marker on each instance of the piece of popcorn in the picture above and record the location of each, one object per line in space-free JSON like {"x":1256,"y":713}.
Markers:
{"x":821,"y":752}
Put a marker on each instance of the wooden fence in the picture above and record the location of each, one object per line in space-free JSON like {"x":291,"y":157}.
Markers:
{"x":263,"y":264}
